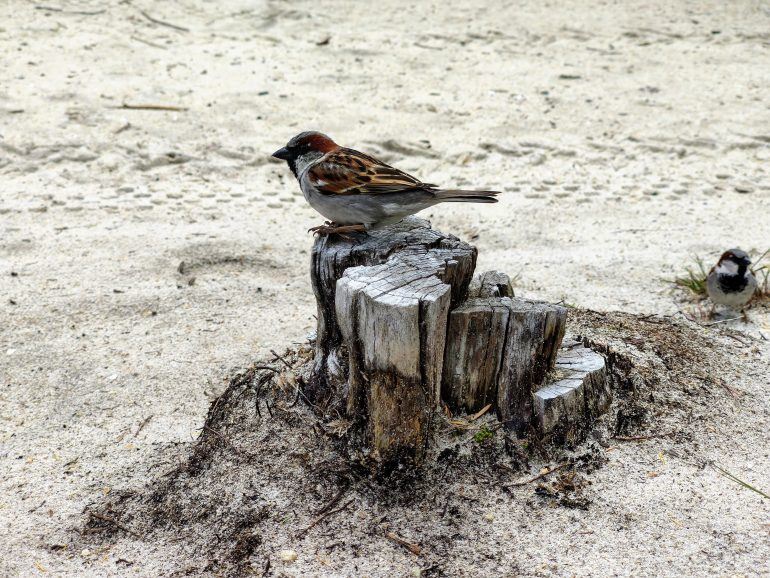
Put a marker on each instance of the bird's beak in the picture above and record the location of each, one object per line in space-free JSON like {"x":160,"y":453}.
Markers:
{"x":282,"y":153}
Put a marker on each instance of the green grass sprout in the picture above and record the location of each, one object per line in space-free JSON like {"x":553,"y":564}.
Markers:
{"x":730,"y":476}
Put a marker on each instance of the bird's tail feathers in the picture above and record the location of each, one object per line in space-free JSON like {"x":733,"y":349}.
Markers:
{"x":462,"y":196}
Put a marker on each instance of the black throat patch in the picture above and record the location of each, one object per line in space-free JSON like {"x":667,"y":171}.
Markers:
{"x":293,"y":166}
{"x":734,"y":283}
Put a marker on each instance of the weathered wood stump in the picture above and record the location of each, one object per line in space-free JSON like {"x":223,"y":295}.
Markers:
{"x":575,"y":395}
{"x":403,"y":326}
{"x":333,"y":255}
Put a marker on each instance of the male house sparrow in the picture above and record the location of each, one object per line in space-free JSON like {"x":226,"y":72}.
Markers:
{"x":730,"y":282}
{"x":357,"y":192}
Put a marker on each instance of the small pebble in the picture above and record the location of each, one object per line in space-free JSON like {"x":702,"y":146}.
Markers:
{"x":743,"y":188}
{"x":288,"y":556}
{"x":489,"y":517}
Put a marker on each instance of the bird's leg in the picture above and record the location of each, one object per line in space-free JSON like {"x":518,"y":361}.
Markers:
{"x":330,"y":228}
{"x":744,"y":315}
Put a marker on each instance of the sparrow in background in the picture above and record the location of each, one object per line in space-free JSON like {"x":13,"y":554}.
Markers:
{"x":357,"y":192}
{"x":730,"y":282}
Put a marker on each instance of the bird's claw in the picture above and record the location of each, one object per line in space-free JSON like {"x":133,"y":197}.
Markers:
{"x":330,"y":228}
{"x":321,"y":229}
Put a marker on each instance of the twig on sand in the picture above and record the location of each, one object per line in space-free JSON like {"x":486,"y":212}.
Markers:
{"x":148,"y":42}
{"x":730,"y":476}
{"x":144,"y":423}
{"x":126,"y":106}
{"x":413,"y":548}
{"x":300,"y":385}
{"x":738,"y":339}
{"x":63,"y":11}
{"x":163,"y":23}
{"x":735,"y":393}
{"x":322,"y":517}
{"x":655,"y":318}
{"x":262,"y":381}
{"x":710,"y":323}
{"x":114,"y":522}
{"x":121,"y":129}
{"x":216,"y":433}
{"x":333,"y":502}
{"x":642,"y":438}
{"x":267,"y":367}
{"x":537,"y":477}
{"x":278,"y":357}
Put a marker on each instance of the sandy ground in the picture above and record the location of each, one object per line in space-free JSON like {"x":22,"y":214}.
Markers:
{"x":626,"y":138}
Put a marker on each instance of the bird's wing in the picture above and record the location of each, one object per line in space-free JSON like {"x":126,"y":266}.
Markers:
{"x":349,"y":172}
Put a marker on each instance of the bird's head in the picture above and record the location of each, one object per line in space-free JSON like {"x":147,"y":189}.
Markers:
{"x":733,"y":262}
{"x":737,"y":256}
{"x":304,"y":149}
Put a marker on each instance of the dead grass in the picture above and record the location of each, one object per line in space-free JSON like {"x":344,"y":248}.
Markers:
{"x":693,"y":280}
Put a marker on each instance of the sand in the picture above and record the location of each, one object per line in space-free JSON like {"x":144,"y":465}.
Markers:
{"x":148,"y":255}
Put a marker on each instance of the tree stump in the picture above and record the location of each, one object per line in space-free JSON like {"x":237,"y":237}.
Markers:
{"x":577,"y":393}
{"x":333,"y":255}
{"x":403,"y":326}
{"x":499,"y":350}
{"x":533,"y":337}
{"x":474,"y":351}
{"x":393,"y":319}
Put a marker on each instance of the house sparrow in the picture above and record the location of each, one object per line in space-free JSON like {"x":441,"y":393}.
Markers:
{"x":357,"y":192}
{"x":730,"y":282}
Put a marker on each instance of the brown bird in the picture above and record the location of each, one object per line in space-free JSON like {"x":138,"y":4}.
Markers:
{"x":357,"y":192}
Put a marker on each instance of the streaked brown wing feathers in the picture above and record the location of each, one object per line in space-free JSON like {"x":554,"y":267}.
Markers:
{"x":349,"y":172}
